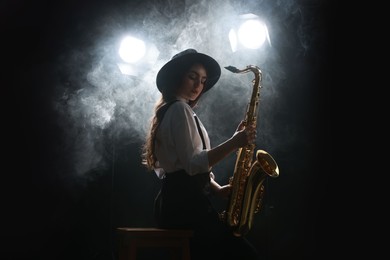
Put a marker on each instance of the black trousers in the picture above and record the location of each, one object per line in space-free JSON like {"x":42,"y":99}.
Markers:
{"x":183,"y":203}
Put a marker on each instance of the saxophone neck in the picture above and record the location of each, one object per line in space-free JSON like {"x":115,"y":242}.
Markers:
{"x":248,"y":68}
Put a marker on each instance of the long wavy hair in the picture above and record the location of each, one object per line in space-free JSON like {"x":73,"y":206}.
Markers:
{"x":168,"y":94}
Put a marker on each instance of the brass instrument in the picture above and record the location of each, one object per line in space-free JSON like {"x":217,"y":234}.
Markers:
{"x":248,"y":177}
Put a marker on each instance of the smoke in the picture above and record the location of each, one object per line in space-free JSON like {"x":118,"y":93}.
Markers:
{"x":99,"y":105}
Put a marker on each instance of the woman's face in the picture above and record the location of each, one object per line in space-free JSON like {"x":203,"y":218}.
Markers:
{"x":193,"y":82}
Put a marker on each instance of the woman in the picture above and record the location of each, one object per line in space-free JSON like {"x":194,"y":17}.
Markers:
{"x":178,"y":149}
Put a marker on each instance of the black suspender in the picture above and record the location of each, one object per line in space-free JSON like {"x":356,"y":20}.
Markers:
{"x":200,"y":131}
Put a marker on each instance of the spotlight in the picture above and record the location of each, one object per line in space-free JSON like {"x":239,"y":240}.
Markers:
{"x":249,"y":33}
{"x":136,"y":55}
{"x":131,"y":49}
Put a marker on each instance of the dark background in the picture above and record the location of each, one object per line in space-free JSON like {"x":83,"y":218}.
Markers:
{"x":47,"y":215}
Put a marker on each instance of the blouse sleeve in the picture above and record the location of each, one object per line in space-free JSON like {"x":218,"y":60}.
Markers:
{"x":187,"y":141}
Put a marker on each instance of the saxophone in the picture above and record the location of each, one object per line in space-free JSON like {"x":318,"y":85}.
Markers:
{"x":248,"y":177}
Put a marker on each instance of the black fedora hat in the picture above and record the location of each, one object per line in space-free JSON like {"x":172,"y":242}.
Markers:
{"x":169,"y":73}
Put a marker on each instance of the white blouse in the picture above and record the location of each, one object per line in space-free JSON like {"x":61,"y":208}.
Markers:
{"x":178,"y":144}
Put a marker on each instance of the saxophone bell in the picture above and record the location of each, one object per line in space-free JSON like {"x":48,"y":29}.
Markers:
{"x":267,"y":163}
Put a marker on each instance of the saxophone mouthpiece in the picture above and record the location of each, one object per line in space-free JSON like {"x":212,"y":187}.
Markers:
{"x":232,"y":69}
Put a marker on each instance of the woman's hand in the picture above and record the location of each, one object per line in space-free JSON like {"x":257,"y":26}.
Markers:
{"x":224,"y":191}
{"x":220,"y":191}
{"x":244,"y":135}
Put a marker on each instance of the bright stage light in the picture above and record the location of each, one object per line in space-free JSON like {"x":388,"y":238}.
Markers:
{"x":132,"y":49}
{"x":250,"y":33}
{"x":136,"y":56}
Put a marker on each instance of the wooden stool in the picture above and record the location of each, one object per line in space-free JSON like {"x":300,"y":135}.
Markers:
{"x":131,"y":239}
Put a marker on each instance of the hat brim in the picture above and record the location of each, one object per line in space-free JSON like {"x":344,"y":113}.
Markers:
{"x":171,"y":70}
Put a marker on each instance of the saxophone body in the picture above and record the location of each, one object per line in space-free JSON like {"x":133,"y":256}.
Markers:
{"x":250,"y":170}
